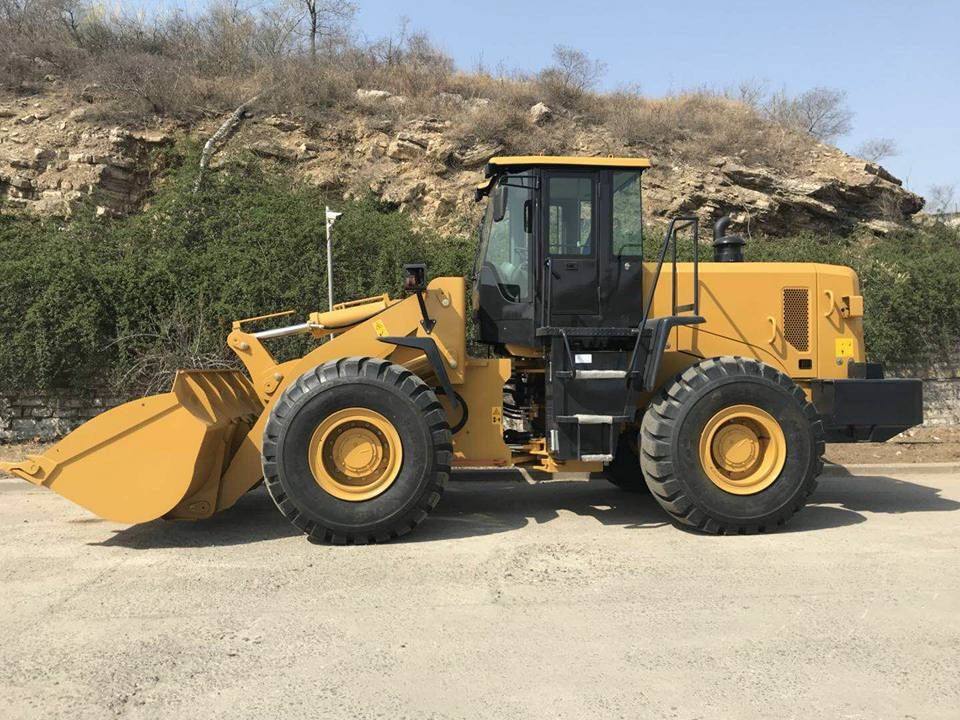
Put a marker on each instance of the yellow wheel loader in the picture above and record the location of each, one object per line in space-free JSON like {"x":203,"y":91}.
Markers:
{"x":713,"y":384}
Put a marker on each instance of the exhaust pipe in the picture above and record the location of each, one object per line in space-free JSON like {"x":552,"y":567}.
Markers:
{"x":726,"y":248}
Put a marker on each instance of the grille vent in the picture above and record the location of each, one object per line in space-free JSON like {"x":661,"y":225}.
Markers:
{"x":796,"y":317}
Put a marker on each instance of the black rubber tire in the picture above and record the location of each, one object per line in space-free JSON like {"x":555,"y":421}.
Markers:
{"x":669,"y":446}
{"x":397,"y":394}
{"x":624,"y":470}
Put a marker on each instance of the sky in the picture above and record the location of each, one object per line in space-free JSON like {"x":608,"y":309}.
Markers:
{"x":899,"y":62}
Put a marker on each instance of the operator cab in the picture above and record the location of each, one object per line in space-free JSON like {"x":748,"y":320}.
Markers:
{"x":560,"y":276}
{"x":561,"y":245}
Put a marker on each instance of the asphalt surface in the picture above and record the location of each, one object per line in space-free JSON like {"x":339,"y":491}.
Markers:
{"x":560,"y":599}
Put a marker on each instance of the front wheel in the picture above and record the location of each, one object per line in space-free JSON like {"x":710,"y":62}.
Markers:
{"x":356,"y":451}
{"x":731,"y":446}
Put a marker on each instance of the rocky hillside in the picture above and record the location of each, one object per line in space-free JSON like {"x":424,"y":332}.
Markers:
{"x":57,"y":148}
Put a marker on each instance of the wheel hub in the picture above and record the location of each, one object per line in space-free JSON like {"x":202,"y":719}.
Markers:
{"x":742,"y":449}
{"x":355,"y":454}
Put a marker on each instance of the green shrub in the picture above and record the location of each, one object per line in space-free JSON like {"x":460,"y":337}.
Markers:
{"x":120,"y":303}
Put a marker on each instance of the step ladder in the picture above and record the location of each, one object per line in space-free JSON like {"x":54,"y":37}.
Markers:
{"x":592,"y":393}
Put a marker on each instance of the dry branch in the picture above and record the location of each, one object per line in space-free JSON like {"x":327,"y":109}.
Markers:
{"x":222,"y":134}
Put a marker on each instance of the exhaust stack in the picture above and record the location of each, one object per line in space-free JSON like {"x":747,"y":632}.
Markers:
{"x":726,"y":248}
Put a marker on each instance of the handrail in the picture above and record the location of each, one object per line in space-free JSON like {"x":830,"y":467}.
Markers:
{"x":671,"y":235}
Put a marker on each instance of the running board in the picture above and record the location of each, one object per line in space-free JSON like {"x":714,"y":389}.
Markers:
{"x":584,"y":419}
{"x":596,"y":458}
{"x":600,"y":374}
{"x":591,"y":374}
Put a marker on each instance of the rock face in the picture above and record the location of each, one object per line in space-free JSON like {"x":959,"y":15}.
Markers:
{"x":51,"y":159}
{"x":835,"y":194}
{"x":53,"y":154}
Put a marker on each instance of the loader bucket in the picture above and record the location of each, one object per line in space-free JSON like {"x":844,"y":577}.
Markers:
{"x":158,"y":456}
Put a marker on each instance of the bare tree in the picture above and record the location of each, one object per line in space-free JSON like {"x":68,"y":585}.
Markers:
{"x":222,"y":134}
{"x":40,"y":18}
{"x":326,"y":18}
{"x":941,"y":198}
{"x":822,"y":112}
{"x":572,"y":74}
{"x":72,"y":14}
{"x":877,"y":149}
{"x":749,"y":92}
{"x":575,"y":68}
{"x":277,"y":24}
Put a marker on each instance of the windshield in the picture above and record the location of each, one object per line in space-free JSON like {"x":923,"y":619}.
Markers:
{"x":504,"y":256}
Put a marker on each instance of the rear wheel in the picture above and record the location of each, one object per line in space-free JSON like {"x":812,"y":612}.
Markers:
{"x":357,"y":451}
{"x":731,"y":446}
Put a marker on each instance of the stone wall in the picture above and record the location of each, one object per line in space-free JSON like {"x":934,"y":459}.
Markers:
{"x":941,"y":401}
{"x":33,"y":417}
{"x":941,"y":389}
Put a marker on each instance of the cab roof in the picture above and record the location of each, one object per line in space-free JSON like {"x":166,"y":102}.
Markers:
{"x":568,"y":160}
{"x":497,"y":164}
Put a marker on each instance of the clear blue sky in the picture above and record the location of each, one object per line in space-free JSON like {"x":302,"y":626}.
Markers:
{"x":899,"y":62}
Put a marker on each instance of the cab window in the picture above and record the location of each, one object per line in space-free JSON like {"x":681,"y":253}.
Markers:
{"x":570,"y":215}
{"x":505,"y":244}
{"x":627,"y":232}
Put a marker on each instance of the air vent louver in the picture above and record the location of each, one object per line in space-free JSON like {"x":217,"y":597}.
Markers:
{"x":796,"y":317}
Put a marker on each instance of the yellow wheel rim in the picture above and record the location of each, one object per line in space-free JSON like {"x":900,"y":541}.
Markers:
{"x":742,"y":449}
{"x":355,"y":454}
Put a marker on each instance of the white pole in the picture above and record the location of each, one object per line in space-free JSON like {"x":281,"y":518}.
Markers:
{"x":331,"y":219}
{"x":329,"y":262}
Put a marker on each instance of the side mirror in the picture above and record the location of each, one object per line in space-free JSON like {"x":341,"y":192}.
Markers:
{"x":499,"y":202}
{"x":415,"y":278}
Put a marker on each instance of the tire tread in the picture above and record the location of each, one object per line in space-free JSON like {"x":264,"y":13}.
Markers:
{"x":659,"y":424}
{"x":379,"y":370}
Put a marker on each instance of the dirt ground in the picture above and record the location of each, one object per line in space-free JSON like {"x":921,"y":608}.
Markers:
{"x":921,"y":445}
{"x":559,"y":599}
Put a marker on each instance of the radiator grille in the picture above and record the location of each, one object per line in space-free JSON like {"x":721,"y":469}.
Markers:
{"x":796,"y":317}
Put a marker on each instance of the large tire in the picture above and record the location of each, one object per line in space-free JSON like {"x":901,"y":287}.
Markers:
{"x":678,"y":456}
{"x":400,"y":406}
{"x":624,"y":470}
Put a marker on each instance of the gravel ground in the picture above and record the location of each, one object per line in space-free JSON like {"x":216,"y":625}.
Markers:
{"x":560,"y":599}
{"x":921,"y":445}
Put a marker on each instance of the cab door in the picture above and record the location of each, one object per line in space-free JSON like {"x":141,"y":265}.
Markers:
{"x":621,"y":249}
{"x":571,"y":233}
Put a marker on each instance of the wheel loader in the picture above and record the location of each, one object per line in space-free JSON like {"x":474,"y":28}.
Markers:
{"x":714,"y":385}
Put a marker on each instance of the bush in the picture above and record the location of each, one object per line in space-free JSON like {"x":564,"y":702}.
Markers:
{"x":120,"y":303}
{"x":698,"y":125}
{"x":571,"y":77}
{"x":822,"y":112}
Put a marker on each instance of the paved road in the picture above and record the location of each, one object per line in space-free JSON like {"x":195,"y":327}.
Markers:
{"x":562,"y":599}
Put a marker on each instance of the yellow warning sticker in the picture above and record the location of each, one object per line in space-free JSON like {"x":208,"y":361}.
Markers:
{"x":843,"y":347}
{"x":380,"y":328}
